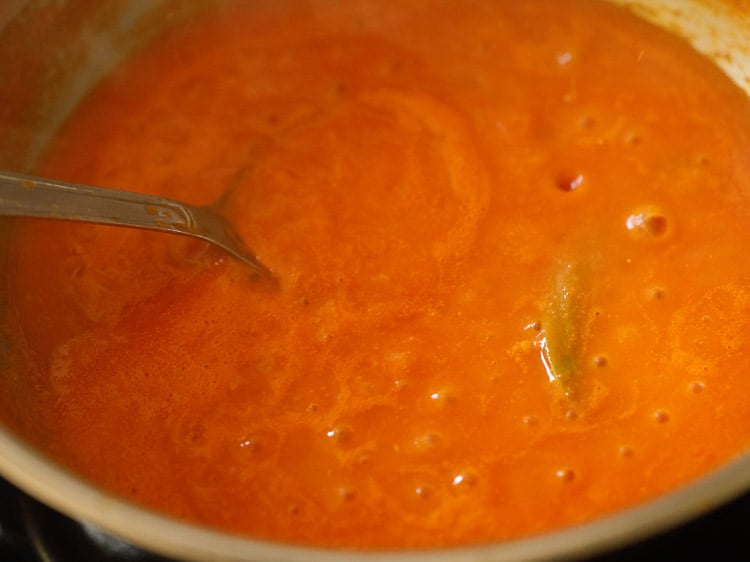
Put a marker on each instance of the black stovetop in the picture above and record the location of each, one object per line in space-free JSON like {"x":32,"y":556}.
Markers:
{"x":31,"y":532}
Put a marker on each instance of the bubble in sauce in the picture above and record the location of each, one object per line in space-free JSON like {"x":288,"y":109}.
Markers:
{"x":661,"y":416}
{"x":633,"y":139}
{"x":346,"y":493}
{"x":255,"y":446}
{"x":252,"y":444}
{"x":564,"y":57}
{"x":647,"y":224}
{"x":657,"y":293}
{"x":588,"y":122}
{"x":534,"y":325}
{"x":340,"y":434}
{"x":697,"y":387}
{"x":295,"y":509}
{"x":567,"y":181}
{"x":442,"y":398}
{"x":401,"y":384}
{"x":464,"y":480}
{"x":565,"y":474}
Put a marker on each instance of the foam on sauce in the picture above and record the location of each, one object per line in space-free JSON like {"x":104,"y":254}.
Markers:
{"x":508,"y":237}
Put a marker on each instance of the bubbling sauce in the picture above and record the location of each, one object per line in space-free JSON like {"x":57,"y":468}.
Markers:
{"x":508,"y":237}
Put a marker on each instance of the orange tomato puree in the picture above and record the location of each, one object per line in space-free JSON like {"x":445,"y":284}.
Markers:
{"x":509,"y":240}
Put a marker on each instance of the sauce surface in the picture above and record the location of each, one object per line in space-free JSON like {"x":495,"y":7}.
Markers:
{"x":508,"y":237}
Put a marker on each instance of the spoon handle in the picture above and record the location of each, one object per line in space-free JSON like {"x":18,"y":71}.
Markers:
{"x":27,"y":196}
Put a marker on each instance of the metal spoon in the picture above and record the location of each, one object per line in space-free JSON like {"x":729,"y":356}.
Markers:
{"x":28,"y":196}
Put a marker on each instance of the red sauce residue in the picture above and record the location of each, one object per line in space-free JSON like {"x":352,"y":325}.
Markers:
{"x":508,"y":237}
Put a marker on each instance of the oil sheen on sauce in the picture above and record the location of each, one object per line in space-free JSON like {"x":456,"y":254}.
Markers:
{"x":508,"y":237}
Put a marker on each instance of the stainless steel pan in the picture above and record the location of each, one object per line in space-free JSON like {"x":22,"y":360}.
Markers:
{"x":52,"y":52}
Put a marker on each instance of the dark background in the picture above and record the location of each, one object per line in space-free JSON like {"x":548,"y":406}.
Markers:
{"x":30,"y":532}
